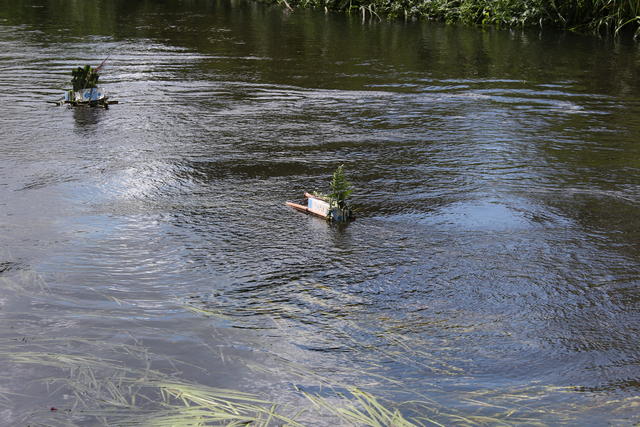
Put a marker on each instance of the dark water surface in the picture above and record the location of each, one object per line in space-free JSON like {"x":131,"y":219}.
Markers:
{"x":492,"y":273}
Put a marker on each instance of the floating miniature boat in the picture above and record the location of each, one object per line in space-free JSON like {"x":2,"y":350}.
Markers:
{"x":320,"y":206}
{"x":85,"y":91}
{"x":92,"y":97}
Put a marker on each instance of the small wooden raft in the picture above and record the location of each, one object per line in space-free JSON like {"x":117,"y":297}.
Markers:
{"x":314,"y":205}
{"x":319,"y":206}
{"x":92,"y":97}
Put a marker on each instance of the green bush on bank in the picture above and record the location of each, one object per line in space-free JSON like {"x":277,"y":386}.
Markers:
{"x":609,"y":16}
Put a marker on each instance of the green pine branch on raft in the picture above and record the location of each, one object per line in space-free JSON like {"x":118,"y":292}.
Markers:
{"x":84,"y":78}
{"x":340,"y":189}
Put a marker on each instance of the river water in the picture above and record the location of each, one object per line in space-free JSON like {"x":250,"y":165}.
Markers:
{"x":491,"y":275}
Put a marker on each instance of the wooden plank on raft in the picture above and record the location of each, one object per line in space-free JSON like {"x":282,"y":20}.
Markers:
{"x":305,"y":209}
{"x":298,"y":207}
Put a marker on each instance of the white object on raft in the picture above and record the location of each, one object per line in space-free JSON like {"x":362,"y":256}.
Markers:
{"x":319,"y":207}
{"x":92,"y":97}
{"x":85,"y":95}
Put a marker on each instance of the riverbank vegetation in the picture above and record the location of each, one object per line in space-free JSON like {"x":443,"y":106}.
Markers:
{"x":600,"y":16}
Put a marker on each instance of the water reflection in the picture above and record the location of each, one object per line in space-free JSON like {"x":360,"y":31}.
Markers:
{"x":86,"y":120}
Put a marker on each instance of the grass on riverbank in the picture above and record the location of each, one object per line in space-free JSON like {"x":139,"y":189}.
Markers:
{"x":602,"y":16}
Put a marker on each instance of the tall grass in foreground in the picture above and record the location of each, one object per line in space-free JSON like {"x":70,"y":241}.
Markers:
{"x":104,"y":391}
{"x":604,"y":16}
{"x":90,"y":390}
{"x":110,"y":394}
{"x":69,"y":381}
{"x":370,"y":392}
